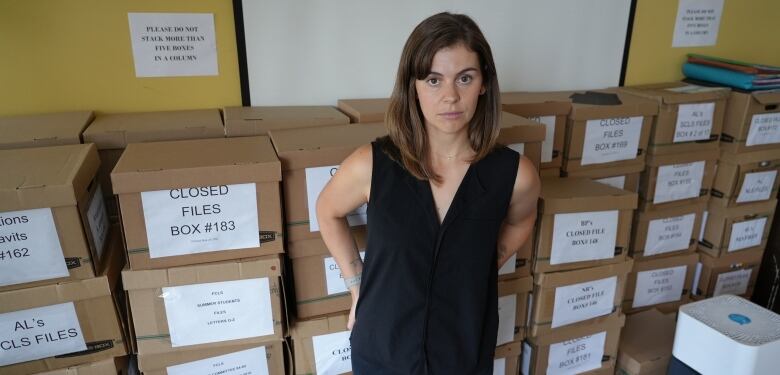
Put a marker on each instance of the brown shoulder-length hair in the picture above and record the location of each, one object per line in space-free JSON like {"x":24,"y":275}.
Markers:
{"x":404,"y":118}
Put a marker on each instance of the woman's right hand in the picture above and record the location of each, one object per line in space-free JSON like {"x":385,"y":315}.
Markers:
{"x":351,"y":320}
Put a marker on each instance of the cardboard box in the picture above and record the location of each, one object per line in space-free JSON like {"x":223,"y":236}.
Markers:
{"x":181,"y":205}
{"x":550,"y":110}
{"x":552,"y":172}
{"x":671,"y":231}
{"x":519,"y":264}
{"x":677,"y":179}
{"x":746,"y":178}
{"x":206,"y":306}
{"x":41,"y":130}
{"x":591,"y":349}
{"x":741,"y":228}
{"x":364,"y":110}
{"x":49,"y":216}
{"x":663,"y":283}
{"x":581,"y":223}
{"x":513,"y":310}
{"x":600,"y":136}
{"x":572,"y":299}
{"x":61,"y":325}
{"x":507,"y":359}
{"x":626,"y":178}
{"x":690,"y":118}
{"x":322,"y":345}
{"x":251,"y":121}
{"x":752,"y":121}
{"x":646,"y":343}
{"x":225,"y":359}
{"x":734,"y":273}
{"x":110,"y":366}
{"x":316,"y":152}
{"x":522,"y":135}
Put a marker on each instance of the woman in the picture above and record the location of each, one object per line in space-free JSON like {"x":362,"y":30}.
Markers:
{"x":446,"y":208}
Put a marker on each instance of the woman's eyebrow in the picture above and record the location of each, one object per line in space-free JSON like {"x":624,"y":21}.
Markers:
{"x":459,"y":73}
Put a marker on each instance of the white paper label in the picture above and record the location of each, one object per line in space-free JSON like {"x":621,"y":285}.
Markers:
{"x":757,"y":186}
{"x":549,"y":136}
{"x":697,"y":23}
{"x":734,"y":282}
{"x":221,"y":311}
{"x":616,"y":182}
{"x":584,"y":236}
{"x":583,"y":301}
{"x":98,"y":222}
{"x":694,"y":122}
{"x":316,"y":179}
{"x":576,"y":356}
{"x":509,"y":266}
{"x":659,"y":286}
{"x":29,"y":247}
{"x":41,"y":332}
{"x":611,"y":139}
{"x":332,"y":353}
{"x":669,"y":234}
{"x":764,"y":129}
{"x":334,"y":281}
{"x":499,"y":366}
{"x":704,"y":217}
{"x":246,"y":362}
{"x":519,"y":147}
{"x":696,"y":279}
{"x":746,"y":234}
{"x":678,"y":181}
{"x":201,"y":219}
{"x":525,"y":365}
{"x":173,"y":45}
{"x":507,"y":312}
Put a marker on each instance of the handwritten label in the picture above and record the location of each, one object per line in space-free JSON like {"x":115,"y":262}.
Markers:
{"x":332,"y":353}
{"x":757,"y":186}
{"x":616,"y":182}
{"x":29,"y":247}
{"x":578,"y":302}
{"x":694,"y":122}
{"x":764,"y":129}
{"x":659,"y":286}
{"x":41,"y":332}
{"x":734,"y":282}
{"x":669,"y":234}
{"x":576,"y":356}
{"x":584,"y":236}
{"x":679,"y":181}
{"x":549,"y":136}
{"x":316,"y":179}
{"x":611,"y":139}
{"x":334,"y":280}
{"x":697,"y":23}
{"x":220,"y":311}
{"x":246,"y":362}
{"x":745,"y":234}
{"x":507,"y":312}
{"x":201,"y":219}
{"x":98,"y":222}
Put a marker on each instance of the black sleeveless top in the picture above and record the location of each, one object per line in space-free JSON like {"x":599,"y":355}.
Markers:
{"x":428,"y":298}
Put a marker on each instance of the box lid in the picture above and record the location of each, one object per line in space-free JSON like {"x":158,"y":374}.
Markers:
{"x":46,"y":176}
{"x":40,"y":130}
{"x":512,"y":349}
{"x":202,"y":273}
{"x":612,"y":324}
{"x":630,"y":105}
{"x":750,"y":157}
{"x":537,"y":103}
{"x":300,"y":148}
{"x":555,"y":279}
{"x":690,"y":157}
{"x":560,"y":195}
{"x":646,"y":341}
{"x":518,"y":129}
{"x":606,"y":172}
{"x":303,"y":329}
{"x":69,"y":291}
{"x":258,"y":120}
{"x":200,"y":162}
{"x":116,"y":131}
{"x":515,"y":286}
{"x":678,"y":92}
{"x":767,"y":96}
{"x":365,"y":110}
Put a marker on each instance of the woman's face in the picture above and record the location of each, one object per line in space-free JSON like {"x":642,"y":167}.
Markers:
{"x":448,"y":95}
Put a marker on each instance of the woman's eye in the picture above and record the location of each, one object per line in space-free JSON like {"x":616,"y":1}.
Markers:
{"x":433,"y":81}
{"x":465,"y":79}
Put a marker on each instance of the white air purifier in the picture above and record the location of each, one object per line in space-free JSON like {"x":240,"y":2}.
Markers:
{"x":728,"y":335}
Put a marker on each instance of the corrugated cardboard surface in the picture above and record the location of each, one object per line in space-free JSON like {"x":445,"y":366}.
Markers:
{"x":511,"y":354}
{"x":544,"y":295}
{"x":717,"y":231}
{"x":739,"y":114}
{"x":531,"y":105}
{"x":649,"y":178}
{"x":631,"y":172}
{"x":50,"y":129}
{"x":148,"y":310}
{"x":642,"y":221}
{"x":110,"y":366}
{"x":712,"y":267}
{"x":250,"y":121}
{"x":364,"y":110}
{"x":688,"y":260}
{"x":156,"y":364}
{"x":731,"y":172}
{"x":646,"y":343}
{"x":302,"y":332}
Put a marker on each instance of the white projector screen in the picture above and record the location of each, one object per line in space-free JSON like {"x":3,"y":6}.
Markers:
{"x":314,"y":52}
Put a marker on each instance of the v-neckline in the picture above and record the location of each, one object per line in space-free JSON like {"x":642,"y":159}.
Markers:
{"x":455,"y":197}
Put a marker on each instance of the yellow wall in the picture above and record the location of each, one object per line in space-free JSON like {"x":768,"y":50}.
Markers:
{"x":749,"y":31}
{"x":60,"y":55}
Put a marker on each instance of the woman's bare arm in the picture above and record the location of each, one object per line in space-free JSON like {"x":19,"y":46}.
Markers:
{"x":521,"y":216}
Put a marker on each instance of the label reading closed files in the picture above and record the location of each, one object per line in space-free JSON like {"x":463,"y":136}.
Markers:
{"x":578,"y":302}
{"x":576,"y":356}
{"x":678,"y":181}
{"x":246,"y":362}
{"x":332,"y":353}
{"x":201,"y":219}
{"x":694,"y":122}
{"x":659,"y":286}
{"x":611,"y":139}
{"x":316,"y":179}
{"x":41,"y":332}
{"x":745,"y":234}
{"x":29,"y":247}
{"x":583,"y":236}
{"x":764,"y":129}
{"x":757,"y":186}
{"x":334,"y":280}
{"x":221,"y":311}
{"x":669,"y":234}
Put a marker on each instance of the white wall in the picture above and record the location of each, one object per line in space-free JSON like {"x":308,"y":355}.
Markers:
{"x":314,"y":52}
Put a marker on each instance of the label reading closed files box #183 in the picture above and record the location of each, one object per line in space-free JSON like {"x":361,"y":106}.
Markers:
{"x":332,"y":353}
{"x":764,"y":129}
{"x":42,"y":332}
{"x":578,"y":302}
{"x":246,"y":362}
{"x":611,"y":139}
{"x":583,"y":236}
{"x":757,"y":186}
{"x":201,"y":219}
{"x":334,"y":280}
{"x":694,"y":122}
{"x":659,"y":286}
{"x":316,"y":179}
{"x":734,"y":282}
{"x":669,"y":234}
{"x":576,"y":356}
{"x":678,"y":181}
{"x":549,"y":136}
{"x":745,"y":234}
{"x":29,"y":247}
{"x":221,"y":311}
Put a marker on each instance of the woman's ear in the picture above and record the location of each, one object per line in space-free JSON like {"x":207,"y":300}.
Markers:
{"x":482,"y":90}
